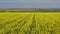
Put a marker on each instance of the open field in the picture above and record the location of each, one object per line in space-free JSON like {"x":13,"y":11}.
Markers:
{"x":29,"y":23}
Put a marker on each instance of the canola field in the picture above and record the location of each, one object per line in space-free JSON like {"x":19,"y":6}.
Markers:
{"x":29,"y":23}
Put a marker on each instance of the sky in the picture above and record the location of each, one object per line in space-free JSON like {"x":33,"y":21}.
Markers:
{"x":29,"y":3}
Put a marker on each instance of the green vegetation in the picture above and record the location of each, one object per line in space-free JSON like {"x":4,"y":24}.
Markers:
{"x":29,"y":23}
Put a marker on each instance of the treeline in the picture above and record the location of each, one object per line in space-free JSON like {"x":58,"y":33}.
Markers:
{"x":32,"y":11}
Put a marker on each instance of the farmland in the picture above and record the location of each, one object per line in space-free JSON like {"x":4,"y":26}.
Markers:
{"x":29,"y":23}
